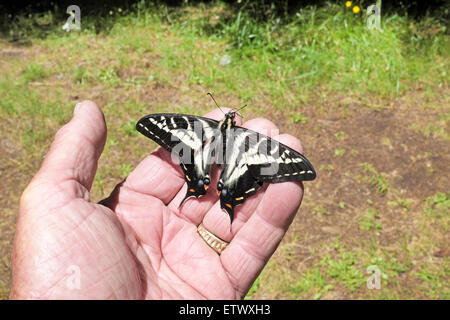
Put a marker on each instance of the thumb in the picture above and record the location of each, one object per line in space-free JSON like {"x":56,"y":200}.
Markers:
{"x":74,"y":153}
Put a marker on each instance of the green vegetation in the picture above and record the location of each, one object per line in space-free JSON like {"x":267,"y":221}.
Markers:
{"x":321,"y":209}
{"x":299,"y":118}
{"x":375,"y":178}
{"x":370,"y":107}
{"x":340,"y":135}
{"x":368,"y":221}
{"x":438,"y":206}
{"x":436,"y":280}
{"x":403,"y":203}
{"x":339,"y":152}
{"x":343,"y":270}
{"x":313,"y":282}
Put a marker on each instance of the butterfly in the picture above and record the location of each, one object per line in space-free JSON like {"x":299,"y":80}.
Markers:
{"x":248,"y":159}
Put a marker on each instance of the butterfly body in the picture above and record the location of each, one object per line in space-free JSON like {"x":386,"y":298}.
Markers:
{"x":248,"y":159}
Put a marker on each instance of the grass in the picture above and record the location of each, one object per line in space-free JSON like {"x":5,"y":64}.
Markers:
{"x":320,"y":209}
{"x":312,"y":282}
{"x":339,"y":152}
{"x":321,"y":75}
{"x":368,"y":221}
{"x":34,"y":72}
{"x":299,"y":118}
{"x":375,"y":179}
{"x":435,"y":276}
{"x":436,"y":281}
{"x":307,"y":52}
{"x":340,"y":135}
{"x":402,"y":203}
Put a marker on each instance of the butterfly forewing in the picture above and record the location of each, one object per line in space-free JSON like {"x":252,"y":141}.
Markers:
{"x":275,"y":162}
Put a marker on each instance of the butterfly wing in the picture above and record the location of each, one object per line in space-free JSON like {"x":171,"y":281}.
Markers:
{"x":253,"y":158}
{"x":191,"y":139}
{"x":233,"y":194}
{"x":271,"y":161}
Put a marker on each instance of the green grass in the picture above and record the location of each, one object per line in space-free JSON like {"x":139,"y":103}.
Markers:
{"x":375,"y":179}
{"x":402,"y":203}
{"x":369,"y":220}
{"x":320,"y":209}
{"x":339,"y":152}
{"x":343,"y":268}
{"x":436,"y":280}
{"x":438,"y":206}
{"x":340,"y":135}
{"x":34,"y":72}
{"x":299,"y":118}
{"x":327,"y":47}
{"x":343,"y":271}
{"x":312,"y":283}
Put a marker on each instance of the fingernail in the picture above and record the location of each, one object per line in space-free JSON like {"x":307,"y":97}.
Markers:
{"x":77,"y":108}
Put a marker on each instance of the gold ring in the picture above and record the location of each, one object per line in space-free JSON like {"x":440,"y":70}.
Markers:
{"x":211,"y":239}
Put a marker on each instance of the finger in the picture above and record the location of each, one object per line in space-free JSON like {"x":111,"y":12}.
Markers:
{"x":216,"y":220}
{"x":256,"y":241}
{"x":74,"y":153}
{"x":158,"y":176}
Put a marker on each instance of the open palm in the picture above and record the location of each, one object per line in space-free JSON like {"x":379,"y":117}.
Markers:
{"x":137,"y":243}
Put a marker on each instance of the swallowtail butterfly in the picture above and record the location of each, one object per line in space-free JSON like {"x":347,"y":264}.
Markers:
{"x":248,"y":158}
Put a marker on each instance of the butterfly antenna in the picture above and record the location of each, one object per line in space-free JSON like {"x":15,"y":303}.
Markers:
{"x":209,"y":93}
{"x":241,"y":108}
{"x":237,"y":111}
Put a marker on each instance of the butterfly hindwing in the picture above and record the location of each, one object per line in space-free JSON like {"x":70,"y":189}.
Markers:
{"x":232,"y":196}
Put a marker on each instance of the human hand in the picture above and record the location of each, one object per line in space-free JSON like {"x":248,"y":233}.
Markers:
{"x":137,"y":244}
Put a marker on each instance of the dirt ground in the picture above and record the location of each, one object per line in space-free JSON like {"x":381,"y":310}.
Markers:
{"x":392,"y":138}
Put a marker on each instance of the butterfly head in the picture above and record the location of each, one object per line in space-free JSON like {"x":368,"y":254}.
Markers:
{"x":228,"y":122}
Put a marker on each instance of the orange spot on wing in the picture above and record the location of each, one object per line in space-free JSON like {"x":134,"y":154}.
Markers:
{"x":192,"y":190}
{"x":228,"y":205}
{"x":206,"y":187}
{"x":218,"y":192}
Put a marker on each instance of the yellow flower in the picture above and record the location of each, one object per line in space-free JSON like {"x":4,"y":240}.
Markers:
{"x":348,"y":4}
{"x":356,"y":9}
